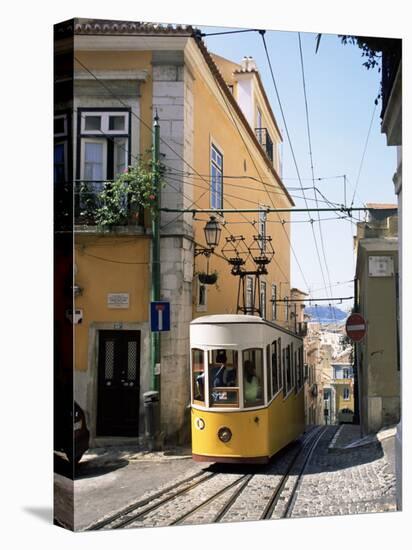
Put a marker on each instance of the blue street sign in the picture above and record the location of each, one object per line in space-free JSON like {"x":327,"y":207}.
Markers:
{"x":159,"y":316}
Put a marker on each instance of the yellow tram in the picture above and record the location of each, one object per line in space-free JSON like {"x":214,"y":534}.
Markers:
{"x":246,"y":388}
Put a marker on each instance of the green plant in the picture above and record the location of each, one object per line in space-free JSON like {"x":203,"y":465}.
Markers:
{"x":88,"y":201}
{"x":208,"y":278}
{"x":373,"y":48}
{"x":133,"y":189}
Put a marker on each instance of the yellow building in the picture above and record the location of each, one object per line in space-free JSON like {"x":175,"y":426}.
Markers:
{"x":219,"y":145}
{"x":377,"y":300}
{"x":343,"y":385}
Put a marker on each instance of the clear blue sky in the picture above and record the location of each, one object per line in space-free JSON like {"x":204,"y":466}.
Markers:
{"x":340,"y":94}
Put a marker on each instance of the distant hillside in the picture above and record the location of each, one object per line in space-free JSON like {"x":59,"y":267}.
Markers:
{"x":325,"y":314}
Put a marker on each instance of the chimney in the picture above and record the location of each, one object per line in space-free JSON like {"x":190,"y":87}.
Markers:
{"x":248,"y":64}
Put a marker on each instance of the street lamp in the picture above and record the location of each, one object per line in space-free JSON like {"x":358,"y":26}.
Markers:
{"x":212,"y":231}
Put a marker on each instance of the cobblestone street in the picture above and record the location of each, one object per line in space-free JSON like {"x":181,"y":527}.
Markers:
{"x":348,"y":480}
{"x":343,"y":475}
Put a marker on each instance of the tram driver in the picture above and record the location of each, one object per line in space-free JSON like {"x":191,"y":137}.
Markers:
{"x":224,"y":375}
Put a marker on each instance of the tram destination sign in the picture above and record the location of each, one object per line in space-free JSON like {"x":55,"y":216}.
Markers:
{"x":355,"y":327}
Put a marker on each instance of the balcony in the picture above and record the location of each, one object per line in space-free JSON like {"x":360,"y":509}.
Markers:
{"x":88,"y":207}
{"x":265,"y":141}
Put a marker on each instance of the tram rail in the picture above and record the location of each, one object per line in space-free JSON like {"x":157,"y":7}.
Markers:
{"x":303,"y":455}
{"x":218,"y":493}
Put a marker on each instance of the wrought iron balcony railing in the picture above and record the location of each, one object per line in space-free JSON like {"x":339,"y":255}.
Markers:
{"x":265,"y":140}
{"x":88,"y":205}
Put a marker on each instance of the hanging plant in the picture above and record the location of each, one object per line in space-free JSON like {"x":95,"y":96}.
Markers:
{"x":133,"y":189}
{"x":208,"y":278}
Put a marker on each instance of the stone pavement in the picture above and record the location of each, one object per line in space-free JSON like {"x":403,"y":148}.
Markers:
{"x":349,"y":475}
{"x":111,"y":478}
{"x":348,"y":436}
{"x":346,"y":475}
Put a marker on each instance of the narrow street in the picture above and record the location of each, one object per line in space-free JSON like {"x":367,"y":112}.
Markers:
{"x":318,"y":476}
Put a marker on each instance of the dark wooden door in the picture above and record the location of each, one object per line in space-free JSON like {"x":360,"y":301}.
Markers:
{"x":118,"y":383}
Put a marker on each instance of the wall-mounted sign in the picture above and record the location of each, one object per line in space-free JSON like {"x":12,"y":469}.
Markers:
{"x":380,"y":266}
{"x":159,"y":316}
{"x":118,"y":300}
{"x":355,"y":327}
{"x":74,"y":316}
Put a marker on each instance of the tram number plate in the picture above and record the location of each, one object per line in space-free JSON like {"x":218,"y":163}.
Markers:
{"x":219,"y":396}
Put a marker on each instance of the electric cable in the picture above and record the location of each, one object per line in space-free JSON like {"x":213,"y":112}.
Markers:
{"x":262,"y":33}
{"x":311,"y":163}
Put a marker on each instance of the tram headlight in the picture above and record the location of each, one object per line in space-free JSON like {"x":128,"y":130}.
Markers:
{"x":224,"y":434}
{"x":200,"y":423}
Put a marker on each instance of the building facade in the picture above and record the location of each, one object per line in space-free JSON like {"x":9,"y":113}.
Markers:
{"x":219,"y":149}
{"x":343,"y":382}
{"x":376,"y":299}
{"x":391,"y":126}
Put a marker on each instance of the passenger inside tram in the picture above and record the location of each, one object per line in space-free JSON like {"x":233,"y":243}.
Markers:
{"x":223,"y":374}
{"x":252,"y":387}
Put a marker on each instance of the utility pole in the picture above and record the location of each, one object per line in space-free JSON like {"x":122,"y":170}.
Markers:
{"x":155,"y":288}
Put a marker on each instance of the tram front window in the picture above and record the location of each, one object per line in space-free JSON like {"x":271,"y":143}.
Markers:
{"x":223,"y":378}
{"x":253,"y":377}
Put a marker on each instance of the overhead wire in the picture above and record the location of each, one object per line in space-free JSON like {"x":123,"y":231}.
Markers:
{"x":311,"y":165}
{"x":363,"y":154}
{"x":290,"y":143}
{"x":208,"y":177}
{"x":188,"y":182}
{"x":226,"y":32}
{"x":257,"y":170}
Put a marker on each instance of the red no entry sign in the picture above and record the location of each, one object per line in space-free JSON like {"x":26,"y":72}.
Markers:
{"x":355,"y":327}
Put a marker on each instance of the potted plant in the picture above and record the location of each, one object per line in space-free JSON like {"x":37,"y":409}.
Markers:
{"x":133,"y":189}
{"x":208,"y":278}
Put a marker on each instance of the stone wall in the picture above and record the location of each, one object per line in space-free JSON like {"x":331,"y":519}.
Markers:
{"x":173,"y":100}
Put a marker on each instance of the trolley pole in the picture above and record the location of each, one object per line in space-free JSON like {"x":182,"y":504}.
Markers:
{"x":155,"y":288}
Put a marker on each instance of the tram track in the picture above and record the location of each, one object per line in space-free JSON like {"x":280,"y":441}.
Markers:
{"x":303,"y":457}
{"x":121,"y":518}
{"x":214,"y":497}
{"x":240,"y":484}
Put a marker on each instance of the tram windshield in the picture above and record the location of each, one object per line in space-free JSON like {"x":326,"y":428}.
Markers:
{"x":223,"y":378}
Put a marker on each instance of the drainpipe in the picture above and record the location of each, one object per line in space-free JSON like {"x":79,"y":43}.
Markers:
{"x":155,"y":288}
{"x":356,"y":366}
{"x":151,"y":398}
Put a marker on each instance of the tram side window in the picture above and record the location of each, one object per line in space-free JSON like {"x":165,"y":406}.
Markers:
{"x":285,"y":380}
{"x":275,"y":368}
{"x":288,"y":370}
{"x":279,"y":358}
{"x":295,"y":369}
{"x":198,"y":376}
{"x":253,"y":377}
{"x":269,"y":390}
{"x":223,"y":378}
{"x":301,"y":365}
{"x":298,"y":370}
